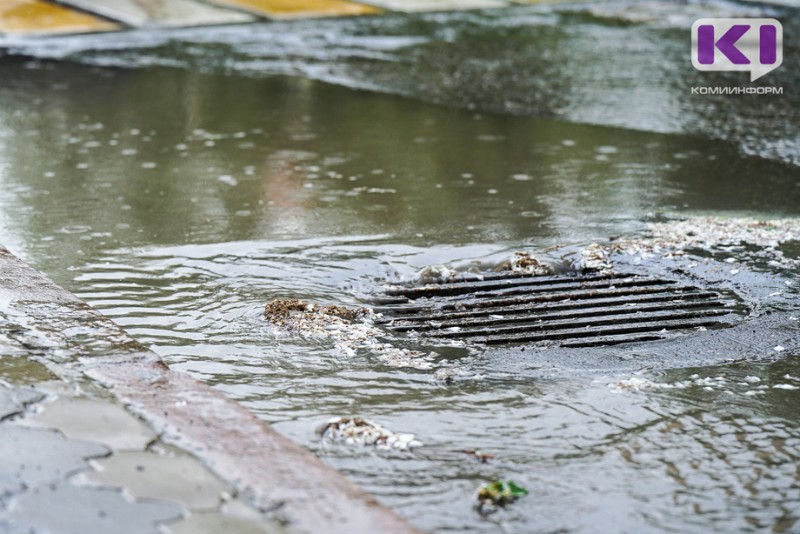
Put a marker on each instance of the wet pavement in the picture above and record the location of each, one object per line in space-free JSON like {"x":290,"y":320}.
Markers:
{"x":178,"y":180}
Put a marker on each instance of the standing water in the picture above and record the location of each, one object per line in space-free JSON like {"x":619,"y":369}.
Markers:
{"x":179,"y":184}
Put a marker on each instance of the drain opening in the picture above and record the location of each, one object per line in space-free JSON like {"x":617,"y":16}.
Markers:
{"x":572,"y":311}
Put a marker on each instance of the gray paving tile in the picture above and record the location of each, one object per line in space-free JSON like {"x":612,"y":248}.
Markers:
{"x":181,"y":479}
{"x":94,"y":420}
{"x":33,"y":456}
{"x":66,"y":508}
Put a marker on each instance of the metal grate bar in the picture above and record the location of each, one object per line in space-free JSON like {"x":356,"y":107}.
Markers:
{"x":592,"y":332}
{"x":443,"y":321}
{"x":589,"y":322}
{"x":516,"y":286}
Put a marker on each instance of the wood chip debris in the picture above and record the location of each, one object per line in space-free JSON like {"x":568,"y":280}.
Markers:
{"x":358,"y":431}
{"x":349,"y":329}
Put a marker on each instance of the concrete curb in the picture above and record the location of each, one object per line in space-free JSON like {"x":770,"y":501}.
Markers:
{"x":276,"y":475}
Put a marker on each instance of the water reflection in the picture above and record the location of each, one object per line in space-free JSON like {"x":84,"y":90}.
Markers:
{"x":165,"y":156}
{"x":612,"y":62}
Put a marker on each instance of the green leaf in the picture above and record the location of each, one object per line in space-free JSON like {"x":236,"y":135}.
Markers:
{"x":516,"y":491}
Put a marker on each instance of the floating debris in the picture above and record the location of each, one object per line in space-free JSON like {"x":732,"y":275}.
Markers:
{"x":633,"y":384}
{"x":498,"y":494}
{"x":714,"y":234}
{"x":747,"y":386}
{"x":708,"y":232}
{"x":434,"y":274}
{"x":524,"y":263}
{"x":349,"y":329}
{"x":358,"y":431}
{"x":281,"y":309}
{"x":527,"y":263}
{"x":638,"y":384}
{"x":481,"y":456}
{"x":448,"y":375}
{"x":594,"y":258}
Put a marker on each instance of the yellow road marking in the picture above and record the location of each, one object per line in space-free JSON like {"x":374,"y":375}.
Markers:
{"x":301,"y":8}
{"x":36,"y":16}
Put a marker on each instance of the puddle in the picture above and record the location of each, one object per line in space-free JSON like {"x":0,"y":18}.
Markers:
{"x":616,"y":63}
{"x":180,"y":198}
{"x":19,"y":370}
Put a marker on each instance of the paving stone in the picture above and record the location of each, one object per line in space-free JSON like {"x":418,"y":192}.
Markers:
{"x":37,"y":16}
{"x":13,"y":400}
{"x":437,"y":5}
{"x":300,"y":8}
{"x":33,"y":456}
{"x":161,"y":12}
{"x":66,"y":508}
{"x":93,"y":420}
{"x":181,"y":479}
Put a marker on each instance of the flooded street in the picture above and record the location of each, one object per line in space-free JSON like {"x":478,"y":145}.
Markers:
{"x":178,"y":181}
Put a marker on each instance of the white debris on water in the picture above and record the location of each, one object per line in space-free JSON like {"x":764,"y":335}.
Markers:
{"x":747,"y":386}
{"x":434,"y":274}
{"x":449,"y":374}
{"x":527,"y":263}
{"x":639,"y":384}
{"x":350,"y":330}
{"x":672,"y":238}
{"x":633,"y":384}
{"x":524,"y":263}
{"x":228,"y":179}
{"x":358,"y":431}
{"x":779,"y":348}
{"x":707,"y":232}
{"x":594,"y":258}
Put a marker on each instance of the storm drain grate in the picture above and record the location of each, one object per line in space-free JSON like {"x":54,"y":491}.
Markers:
{"x":572,"y":311}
